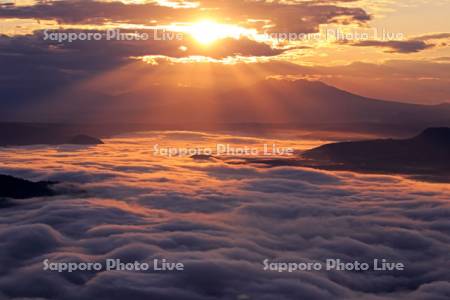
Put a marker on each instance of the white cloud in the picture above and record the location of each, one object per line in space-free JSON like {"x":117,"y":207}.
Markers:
{"x":221,"y":221}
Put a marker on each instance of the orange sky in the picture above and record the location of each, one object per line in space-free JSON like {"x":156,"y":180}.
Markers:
{"x":397,"y":50}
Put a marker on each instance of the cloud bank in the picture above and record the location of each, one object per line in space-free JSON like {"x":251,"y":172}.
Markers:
{"x":221,"y":221}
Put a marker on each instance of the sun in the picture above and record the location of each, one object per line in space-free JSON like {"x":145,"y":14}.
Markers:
{"x":207,"y":32}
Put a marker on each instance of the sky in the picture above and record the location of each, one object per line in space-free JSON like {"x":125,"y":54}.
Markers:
{"x":394,"y":50}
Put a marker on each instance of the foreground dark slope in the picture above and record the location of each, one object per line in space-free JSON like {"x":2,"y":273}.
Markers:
{"x":16,"y":188}
{"x":426,"y":153}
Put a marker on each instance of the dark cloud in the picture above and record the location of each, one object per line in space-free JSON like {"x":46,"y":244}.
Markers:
{"x":91,"y":11}
{"x":412,"y":46}
{"x":434,"y":36}
{"x":286,"y":17}
{"x":294,"y":17}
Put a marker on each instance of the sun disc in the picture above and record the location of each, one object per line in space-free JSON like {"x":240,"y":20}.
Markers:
{"x":207,"y":32}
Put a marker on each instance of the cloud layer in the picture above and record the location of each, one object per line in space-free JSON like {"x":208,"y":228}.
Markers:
{"x":221,"y":221}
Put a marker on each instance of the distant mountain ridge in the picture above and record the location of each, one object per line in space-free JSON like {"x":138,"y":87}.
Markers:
{"x":259,"y":108}
{"x":314,"y":101}
{"x":268,"y":101}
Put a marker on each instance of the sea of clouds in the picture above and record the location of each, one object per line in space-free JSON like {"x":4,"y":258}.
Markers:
{"x":221,"y":220}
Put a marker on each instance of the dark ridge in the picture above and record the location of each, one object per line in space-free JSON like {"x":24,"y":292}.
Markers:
{"x":84,"y":140}
{"x":24,"y":134}
{"x":426,"y":153}
{"x":16,"y":188}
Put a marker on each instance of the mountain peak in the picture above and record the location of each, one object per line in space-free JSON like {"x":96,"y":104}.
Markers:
{"x":296,"y":82}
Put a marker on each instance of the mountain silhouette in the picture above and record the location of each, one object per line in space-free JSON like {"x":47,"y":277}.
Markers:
{"x":300,"y":103}
{"x":315,"y":102}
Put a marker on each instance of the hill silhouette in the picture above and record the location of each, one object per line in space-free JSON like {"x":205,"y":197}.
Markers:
{"x":23,"y":134}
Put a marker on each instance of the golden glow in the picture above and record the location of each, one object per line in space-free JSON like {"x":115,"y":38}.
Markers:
{"x":207,"y":31}
{"x":156,"y":59}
